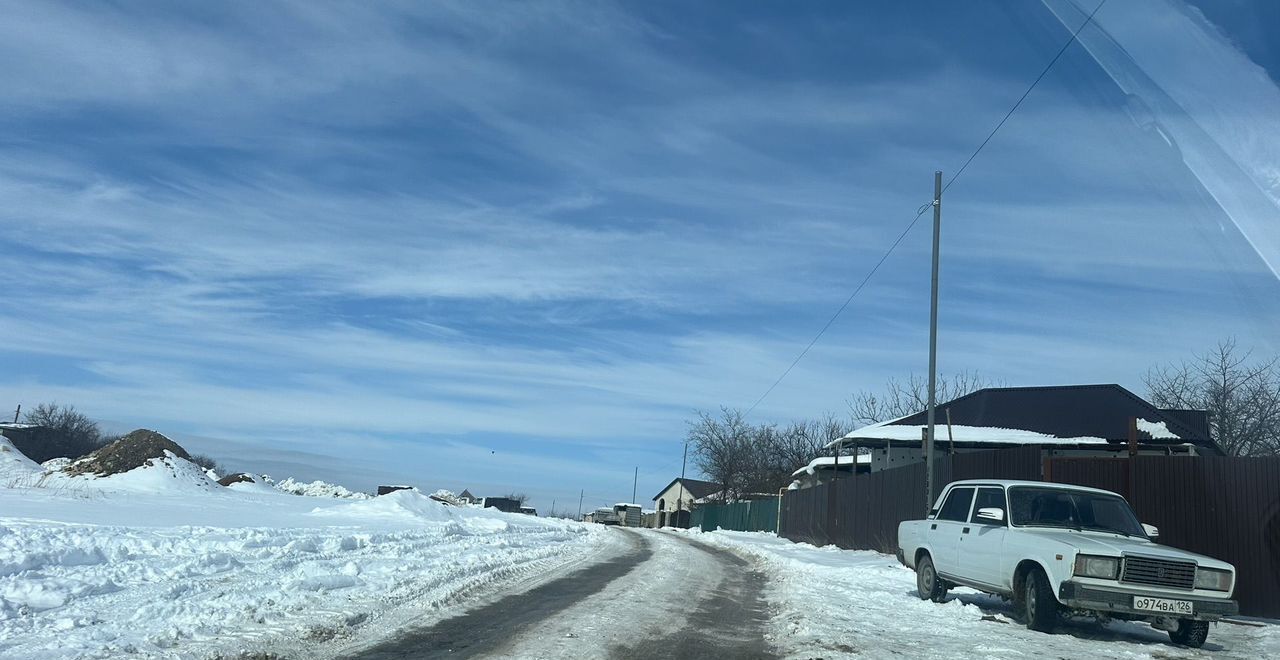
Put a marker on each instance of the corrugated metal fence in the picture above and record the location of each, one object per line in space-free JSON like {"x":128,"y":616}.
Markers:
{"x":862,"y":512}
{"x":749,"y":516}
{"x":1227,"y":508}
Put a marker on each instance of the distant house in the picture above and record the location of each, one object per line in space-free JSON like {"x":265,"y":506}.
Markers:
{"x":467,"y":497}
{"x":1071,"y":420}
{"x":529,"y":511}
{"x":387,"y":490}
{"x":501,"y":503}
{"x":677,"y":500}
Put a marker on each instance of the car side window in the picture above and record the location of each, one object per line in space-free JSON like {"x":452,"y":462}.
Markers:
{"x":957,"y":505}
{"x":988,"y":498}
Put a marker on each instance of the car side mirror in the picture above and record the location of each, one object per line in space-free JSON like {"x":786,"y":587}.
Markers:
{"x":1150,"y":530}
{"x":993,"y":514}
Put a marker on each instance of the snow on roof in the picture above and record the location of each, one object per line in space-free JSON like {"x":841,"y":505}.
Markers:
{"x":898,"y":432}
{"x":627,"y":504}
{"x":17,"y":426}
{"x":1157,"y":430}
{"x":863,"y":459}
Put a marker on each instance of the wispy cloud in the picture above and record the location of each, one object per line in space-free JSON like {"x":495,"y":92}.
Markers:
{"x":402,"y":236}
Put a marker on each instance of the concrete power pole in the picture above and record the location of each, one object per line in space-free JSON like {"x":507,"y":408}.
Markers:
{"x":933,"y":342}
{"x":635,"y":480}
{"x":580,"y":494}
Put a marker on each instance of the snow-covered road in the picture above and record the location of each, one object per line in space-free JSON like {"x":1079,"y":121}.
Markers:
{"x":653,"y":594}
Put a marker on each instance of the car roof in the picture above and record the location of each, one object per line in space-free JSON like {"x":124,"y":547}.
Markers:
{"x":1006,"y":483}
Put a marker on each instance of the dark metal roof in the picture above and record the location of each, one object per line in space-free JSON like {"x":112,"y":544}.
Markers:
{"x":1069,"y":411}
{"x":698,"y":489}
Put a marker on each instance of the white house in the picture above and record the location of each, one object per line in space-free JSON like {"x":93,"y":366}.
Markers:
{"x":676,"y":500}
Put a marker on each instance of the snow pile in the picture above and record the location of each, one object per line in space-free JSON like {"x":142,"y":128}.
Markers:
{"x":1157,"y":430}
{"x":154,"y":571}
{"x":56,"y":464}
{"x":15,"y":467}
{"x":168,"y":474}
{"x":900,"y":432}
{"x":828,"y":602}
{"x":318,"y":488}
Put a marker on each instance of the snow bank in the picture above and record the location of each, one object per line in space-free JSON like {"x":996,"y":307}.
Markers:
{"x":318,"y":488}
{"x":828,"y":602}
{"x":154,"y":567}
{"x":170,"y":474}
{"x":15,"y":467}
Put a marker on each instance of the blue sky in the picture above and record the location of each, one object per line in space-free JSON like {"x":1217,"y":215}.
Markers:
{"x":517,"y":245}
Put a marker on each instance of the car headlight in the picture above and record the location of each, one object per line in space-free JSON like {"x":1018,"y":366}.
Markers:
{"x":1212,"y":578}
{"x":1097,"y":567}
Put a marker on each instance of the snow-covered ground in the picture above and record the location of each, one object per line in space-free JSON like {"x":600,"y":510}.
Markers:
{"x":828,"y":602}
{"x":162,"y":562}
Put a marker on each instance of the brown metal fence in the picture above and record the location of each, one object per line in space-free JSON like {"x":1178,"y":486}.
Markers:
{"x":1228,"y":508}
{"x":862,"y":512}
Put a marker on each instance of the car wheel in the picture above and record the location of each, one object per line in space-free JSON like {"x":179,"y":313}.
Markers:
{"x":1190,"y":633}
{"x":1039,"y":607}
{"x":928,"y":585}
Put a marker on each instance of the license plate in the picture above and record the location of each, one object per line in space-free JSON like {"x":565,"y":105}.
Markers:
{"x":1162,"y":605}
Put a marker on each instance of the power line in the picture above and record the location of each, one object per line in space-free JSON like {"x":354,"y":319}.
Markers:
{"x":926,"y":207}
{"x":1088,"y":19}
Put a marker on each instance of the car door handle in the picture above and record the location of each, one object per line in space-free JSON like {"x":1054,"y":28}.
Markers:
{"x":966,"y":530}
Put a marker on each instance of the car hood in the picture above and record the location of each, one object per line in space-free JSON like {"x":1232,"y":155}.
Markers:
{"x":1114,"y":545}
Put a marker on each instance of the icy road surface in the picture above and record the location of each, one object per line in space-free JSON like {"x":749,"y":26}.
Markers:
{"x":656,"y":594}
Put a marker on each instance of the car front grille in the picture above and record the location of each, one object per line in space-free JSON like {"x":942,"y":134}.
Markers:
{"x":1159,"y":572}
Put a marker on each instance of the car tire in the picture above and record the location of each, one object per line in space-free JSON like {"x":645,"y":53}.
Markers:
{"x":928,"y":585}
{"x":1190,"y":633}
{"x":1039,"y":607}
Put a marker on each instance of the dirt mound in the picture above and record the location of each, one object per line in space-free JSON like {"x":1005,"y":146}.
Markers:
{"x":131,"y":451}
{"x":236,"y":478}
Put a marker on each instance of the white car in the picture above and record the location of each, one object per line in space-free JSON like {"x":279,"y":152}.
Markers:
{"x":1056,"y":549}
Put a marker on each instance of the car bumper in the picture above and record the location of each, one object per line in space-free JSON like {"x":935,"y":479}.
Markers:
{"x":1084,"y":597}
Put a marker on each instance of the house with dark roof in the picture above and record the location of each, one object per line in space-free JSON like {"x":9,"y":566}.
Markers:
{"x":1070,"y":420}
{"x":676,"y":501}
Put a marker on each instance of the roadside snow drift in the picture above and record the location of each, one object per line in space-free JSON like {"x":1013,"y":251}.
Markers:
{"x":828,"y":602}
{"x":161,"y":561}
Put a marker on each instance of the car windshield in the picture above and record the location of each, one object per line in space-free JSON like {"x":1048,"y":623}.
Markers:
{"x":1072,"y":509}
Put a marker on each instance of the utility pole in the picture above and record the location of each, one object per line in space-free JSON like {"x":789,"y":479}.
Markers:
{"x":580,"y":494}
{"x":933,"y":341}
{"x":684,"y":461}
{"x":16,"y":413}
{"x":553,"y":506}
{"x":634,"y":481}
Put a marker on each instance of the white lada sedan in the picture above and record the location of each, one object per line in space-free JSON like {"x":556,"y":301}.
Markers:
{"x":1057,"y":549}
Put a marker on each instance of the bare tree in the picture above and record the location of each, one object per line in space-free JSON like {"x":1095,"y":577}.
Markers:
{"x":1240,"y":391}
{"x":722,"y":448}
{"x":207,"y":463}
{"x":63,"y":432}
{"x":900,"y":398}
{"x":758,"y":458}
{"x":520,"y":498}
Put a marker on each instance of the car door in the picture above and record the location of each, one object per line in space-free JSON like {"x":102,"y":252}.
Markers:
{"x":981,"y":547}
{"x":945,"y":528}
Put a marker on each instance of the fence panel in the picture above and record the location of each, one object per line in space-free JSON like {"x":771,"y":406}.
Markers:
{"x":1227,"y":508}
{"x":1106,"y":473}
{"x":1224,"y":507}
{"x":748,"y":516}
